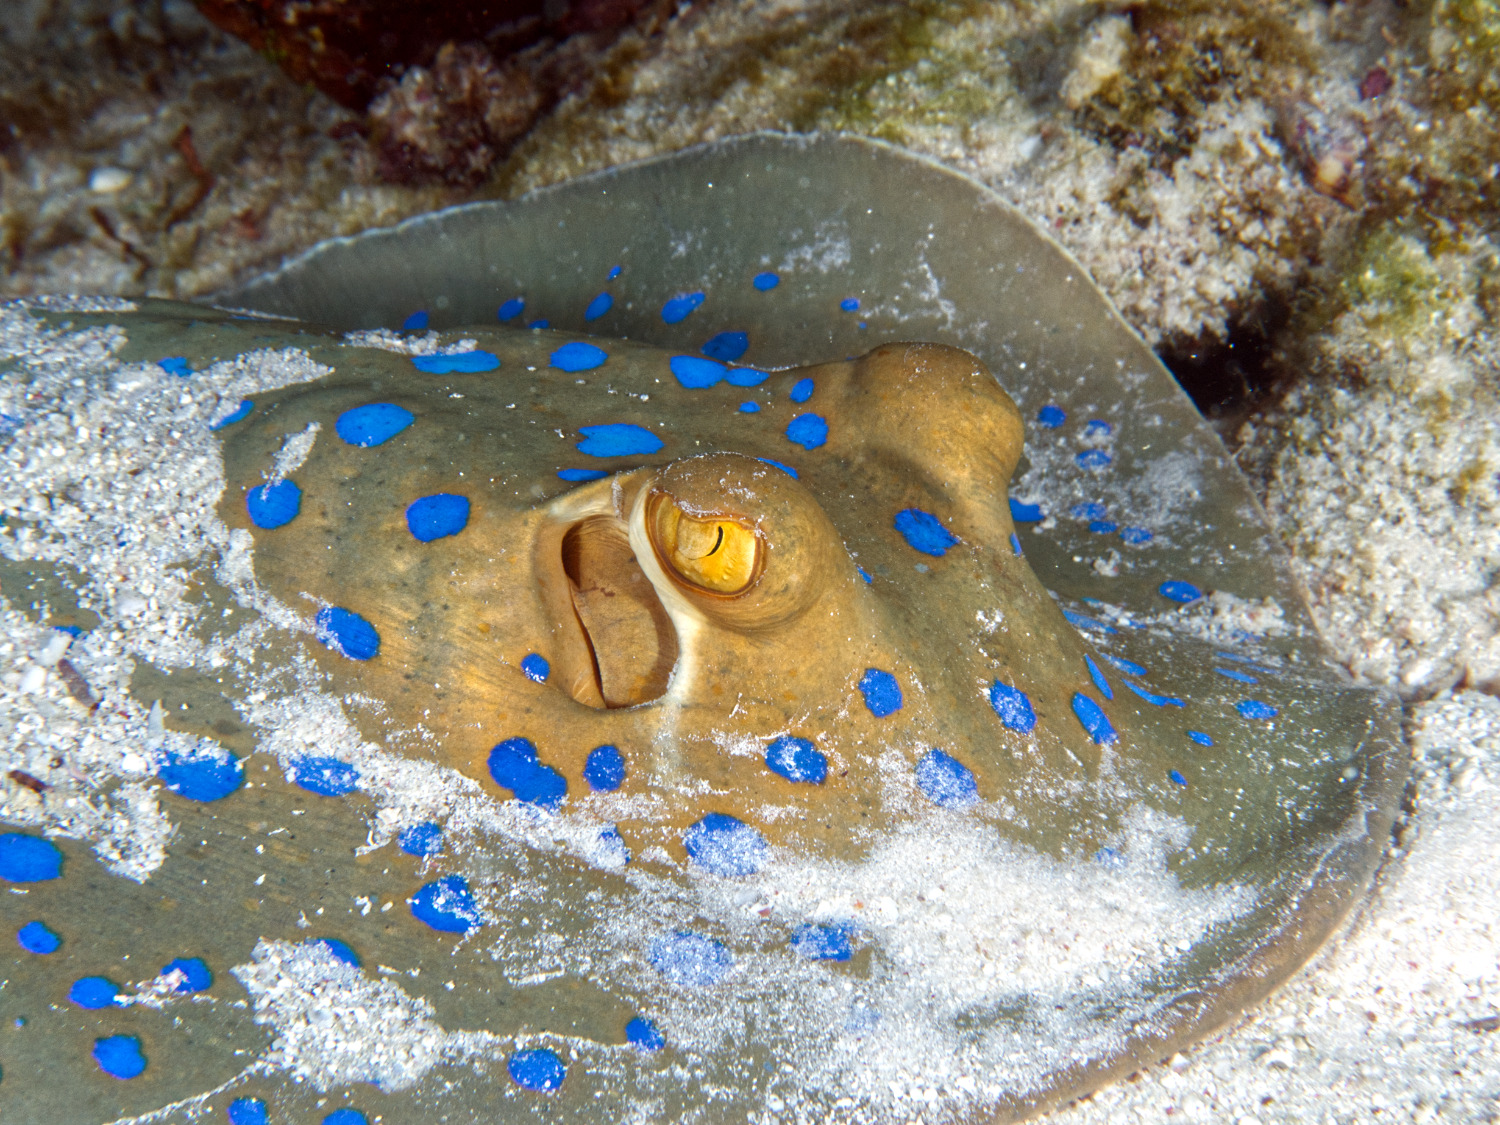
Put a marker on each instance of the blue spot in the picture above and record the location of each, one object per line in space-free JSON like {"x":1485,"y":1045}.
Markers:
{"x":94,"y":993}
{"x":339,"y":949}
{"x":1097,"y":675}
{"x":75,"y":632}
{"x":641,"y":1033}
{"x":690,"y":960}
{"x":1126,"y":665}
{"x":327,"y":777}
{"x":1098,"y":428}
{"x":196,"y":976}
{"x":1154,"y":699}
{"x":617,"y":439}
{"x":725,"y":845}
{"x":598,"y":307}
{"x":865,"y":574}
{"x":372,"y":424}
{"x":1255,"y":709}
{"x":203,"y":773}
{"x":273,"y":505}
{"x":1051,"y":416}
{"x":247,"y":1111}
{"x":28,"y":859}
{"x":1102,"y":527}
{"x":612,"y":849}
{"x":746,"y":377}
{"x":417,"y":322}
{"x":1136,"y":536}
{"x":1093,"y":459}
{"x":175,"y":365}
{"x":582,"y":474}
{"x":1093,"y":510}
{"x":765,"y":281}
{"x":824,"y":943}
{"x":881,"y":691}
{"x":605,"y":768}
{"x":119,"y":1056}
{"x":466,"y":363}
{"x":695,"y":372}
{"x":346,"y":1116}
{"x":727,"y":346}
{"x":539,"y":324}
{"x":1013,"y":706}
{"x":1094,"y":720}
{"x":1235,"y":674}
{"x":537,"y":1069}
{"x":787,"y":469}
{"x":421,"y":839}
{"x":796,"y":759}
{"x":946,"y":781}
{"x":535,"y":666}
{"x":446,"y":905}
{"x":678,"y":308}
{"x":437,"y":516}
{"x":578,"y":356}
{"x":614,"y":272}
{"x":1080,"y":621}
{"x":239,"y":413}
{"x":807,"y":430}
{"x":1179,"y":591}
{"x":849,"y":304}
{"x":924,"y":532}
{"x":1024,"y":513}
{"x":1177,"y":777}
{"x":1108,"y":857}
{"x":35,"y":937}
{"x":514,"y":765}
{"x":801,"y":390}
{"x":1015,"y":544}
{"x":511,"y":309}
{"x":1200,"y":738}
{"x":346,"y":633}
{"x":749,"y":408}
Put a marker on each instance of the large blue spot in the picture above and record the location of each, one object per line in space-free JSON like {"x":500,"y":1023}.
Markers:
{"x":617,"y":439}
{"x":1094,"y":720}
{"x":695,"y":372}
{"x":346,"y":1116}
{"x":1255,"y":709}
{"x":446,"y":905}
{"x":598,"y":307}
{"x":946,"y":781}
{"x":796,"y":759}
{"x":1200,"y":738}
{"x":196,"y":975}
{"x":881,"y":691}
{"x":1178,"y":591}
{"x":578,"y":356}
{"x":373,"y":423}
{"x":787,"y":469}
{"x":801,"y":390}
{"x":678,"y":308}
{"x":119,"y":1056}
{"x":35,"y":937}
{"x":540,"y":324}
{"x":1093,"y":459}
{"x":416,"y":322}
{"x":1176,"y":776}
{"x":1097,"y":675}
{"x":175,"y":365}
{"x":535,"y":667}
{"x":273,"y":505}
{"x":727,"y":346}
{"x":1126,"y":665}
{"x":437,"y":516}
{"x":1024,"y":513}
{"x":94,"y":993}
{"x":511,"y":309}
{"x":849,"y":304}
{"x":1136,"y":536}
{"x":339,"y":949}
{"x":537,"y":1069}
{"x":467,"y":363}
{"x":1091,"y":510}
{"x":327,"y":777}
{"x":1013,"y":706}
{"x":924,"y":532}
{"x":1236,"y":674}
{"x":725,"y":845}
{"x":421,"y":839}
{"x":642,"y":1034}
{"x":514,"y":765}
{"x":765,"y":281}
{"x":746,"y":376}
{"x":202,"y":773}
{"x":239,"y":413}
{"x":807,"y":430}
{"x":346,"y":632}
{"x":824,"y":943}
{"x":28,"y":859}
{"x":581,"y":474}
{"x":1051,"y":416}
{"x":1152,"y":698}
{"x":605,"y":768}
{"x":749,"y":408}
{"x":690,"y":960}
{"x":247,"y":1111}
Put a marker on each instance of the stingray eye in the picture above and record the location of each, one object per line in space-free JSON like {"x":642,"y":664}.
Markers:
{"x":716,"y":554}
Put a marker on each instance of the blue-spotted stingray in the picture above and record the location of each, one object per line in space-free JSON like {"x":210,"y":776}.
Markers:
{"x":802,"y":644}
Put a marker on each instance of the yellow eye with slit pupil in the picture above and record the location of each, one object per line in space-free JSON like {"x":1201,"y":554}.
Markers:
{"x":714,"y":553}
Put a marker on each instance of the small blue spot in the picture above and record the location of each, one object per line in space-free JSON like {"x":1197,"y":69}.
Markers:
{"x":881,"y":691}
{"x":247,"y":1111}
{"x":865,"y":574}
{"x":946,"y":781}
{"x":727,"y":346}
{"x":1102,"y":527}
{"x":1098,"y":428}
{"x":796,"y":759}
{"x":1109,"y":857}
{"x":582,"y":474}
{"x":924,"y":532}
{"x":1094,"y":720}
{"x":678,"y":308}
{"x":537,"y":1069}
{"x":807,"y":430}
{"x":346,"y":633}
{"x":801,"y":390}
{"x":1154,"y":699}
{"x":421,"y":839}
{"x":511,"y":309}
{"x":1126,"y":665}
{"x":1013,"y":706}
{"x":94,"y":993}
{"x":725,"y":845}
{"x":1136,"y":536}
{"x":327,"y":777}
{"x":1235,"y":674}
{"x":535,"y":665}
{"x":196,"y":976}
{"x":539,"y":324}
{"x":610,"y":848}
{"x":617,"y":439}
{"x":417,"y":322}
{"x":339,"y":949}
{"x":464,"y":363}
{"x":119,"y":1056}
{"x":614,"y":272}
{"x":824,"y":943}
{"x":1177,"y":777}
{"x":1200,"y":738}
{"x":746,"y":377}
{"x":1097,"y":675}
{"x":765,"y":281}
{"x":1179,"y":591}
{"x":787,"y":469}
{"x":346,"y":1116}
{"x":35,"y":937}
{"x":28,"y":859}
{"x":849,"y":304}
{"x":578,"y":356}
{"x":175,"y":365}
{"x":749,"y":408}
{"x":239,"y":413}
{"x":1255,"y":709}
{"x":598,"y":306}
{"x":437,"y":516}
{"x":1093,"y":459}
{"x":515,"y":766}
{"x":695,"y":372}
{"x":446,"y":905}
{"x":641,"y":1033}
{"x":1051,"y":416}
{"x":75,"y":632}
{"x":1024,"y":513}
{"x":605,"y":768}
{"x":1093,"y":510}
{"x":1080,"y":621}
{"x":203,"y":773}
{"x":273,"y":505}
{"x":1015,"y":544}
{"x":372,"y":424}
{"x":690,"y":960}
